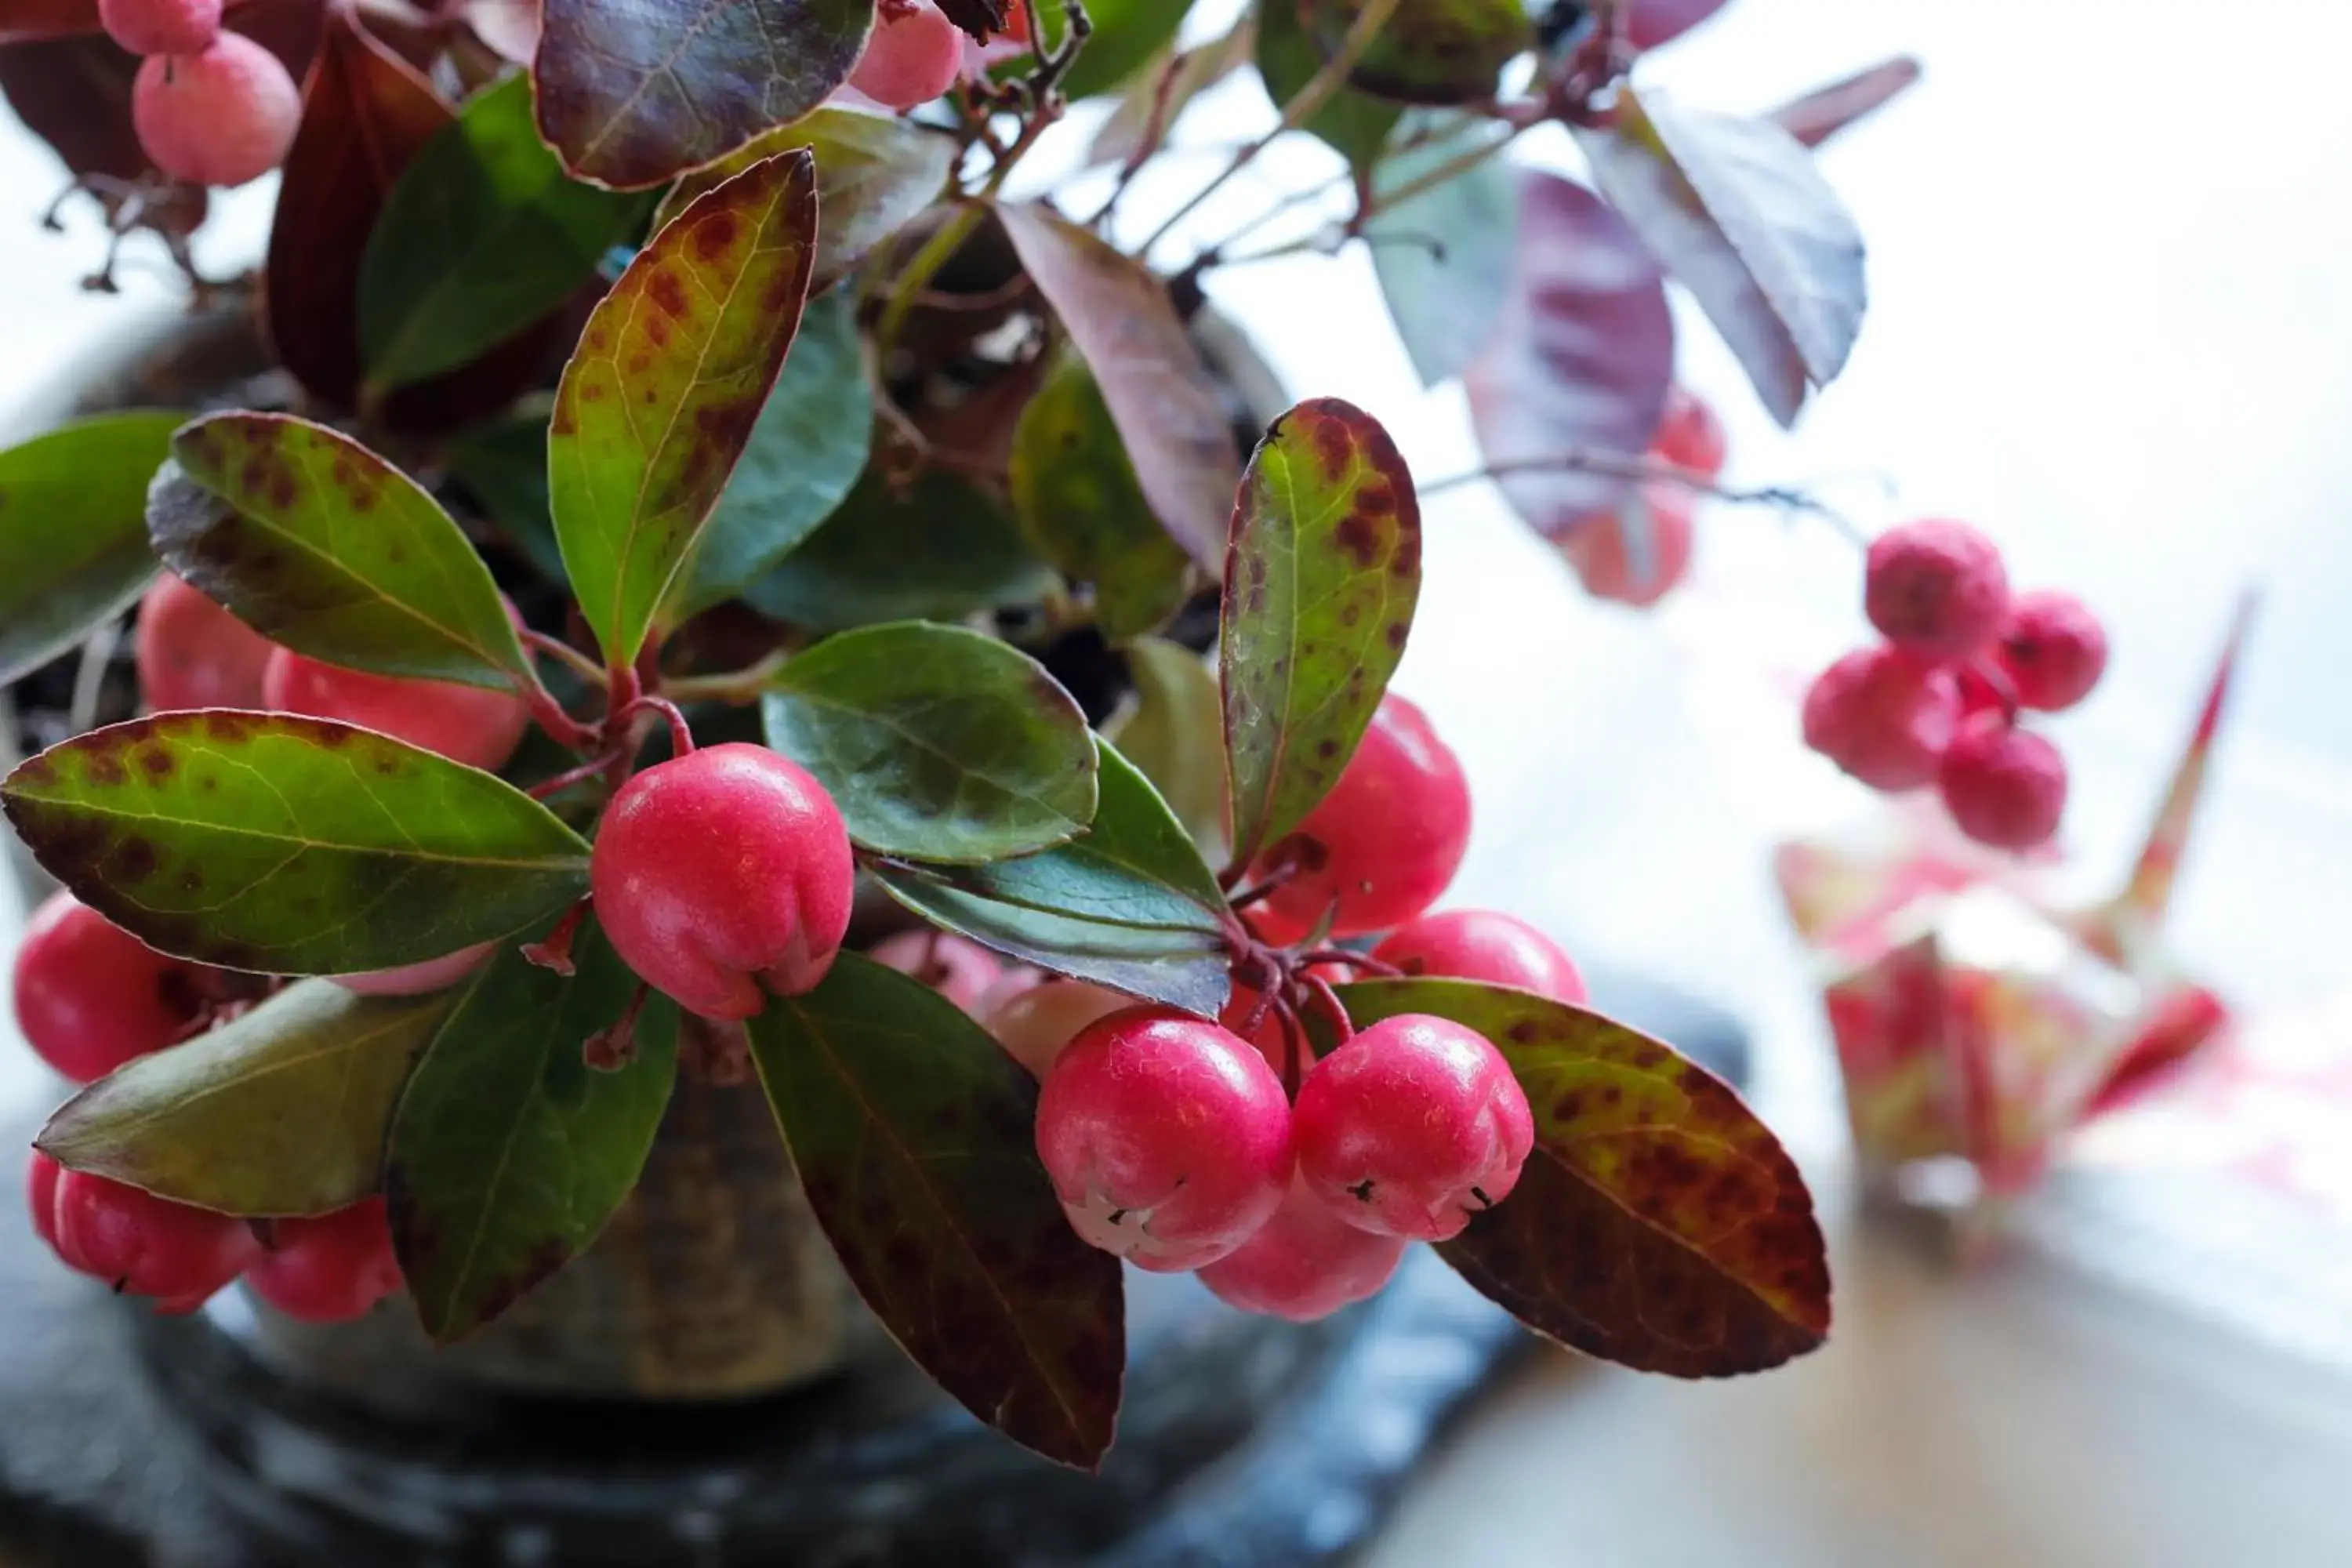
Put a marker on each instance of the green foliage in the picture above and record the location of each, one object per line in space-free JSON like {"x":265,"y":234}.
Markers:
{"x":1353,"y":124}
{"x":73,"y":532}
{"x":942,"y":549}
{"x":1127,"y":34}
{"x":1175,"y":735}
{"x":1428,"y":51}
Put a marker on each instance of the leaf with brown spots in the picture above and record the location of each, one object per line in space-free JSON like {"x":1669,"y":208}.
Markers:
{"x":1658,"y":1222}
{"x":634,"y":92}
{"x":73,"y":533}
{"x":290,"y":846}
{"x":1322,"y":573}
{"x":912,"y":1131}
{"x":1162,"y":398}
{"x":665,"y":388}
{"x":280,"y":1110}
{"x":315,"y":541}
{"x":1428,"y":51}
{"x":508,"y":1154}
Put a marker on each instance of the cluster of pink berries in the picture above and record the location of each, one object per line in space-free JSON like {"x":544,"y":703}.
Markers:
{"x":915,"y":53}
{"x":1690,"y":436}
{"x":211,"y":106}
{"x":1939,"y":700}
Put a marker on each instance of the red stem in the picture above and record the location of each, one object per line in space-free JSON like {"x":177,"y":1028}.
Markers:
{"x":548,"y":788}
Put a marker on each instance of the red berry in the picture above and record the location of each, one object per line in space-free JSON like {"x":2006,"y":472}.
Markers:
{"x":1412,"y":1127}
{"x":2054,"y":650}
{"x":958,"y":969}
{"x":1382,"y":845}
{"x":911,"y":57}
{"x":1936,"y":587}
{"x":194,"y":654}
{"x":161,"y":26}
{"x":1884,"y":715}
{"x":1168,"y":1139}
{"x":329,"y":1270}
{"x":90,"y":997}
{"x":722,"y":871}
{"x":1690,"y":435}
{"x":469,"y":724}
{"x":1601,"y":548}
{"x":41,"y":1174}
{"x":416,"y":979}
{"x":147,"y":1245}
{"x":220,"y":117}
{"x":1480,"y":944}
{"x":1035,"y":1024}
{"x":1304,"y":1263}
{"x":1978,"y":693}
{"x":2003,"y":785}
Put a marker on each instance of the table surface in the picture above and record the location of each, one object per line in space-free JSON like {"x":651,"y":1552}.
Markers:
{"x":2108,"y":323}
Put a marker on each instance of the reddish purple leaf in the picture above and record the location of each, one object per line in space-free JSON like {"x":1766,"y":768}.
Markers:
{"x":22,"y":21}
{"x":1582,"y":358}
{"x":1167,"y":409}
{"x":1824,"y":112}
{"x":1655,"y":22}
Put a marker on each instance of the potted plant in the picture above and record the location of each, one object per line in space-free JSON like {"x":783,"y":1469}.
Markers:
{"x":706,"y":617}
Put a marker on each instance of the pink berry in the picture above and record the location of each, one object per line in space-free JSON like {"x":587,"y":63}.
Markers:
{"x":194,"y":654}
{"x":1936,"y":588}
{"x":1609,"y":566}
{"x":161,"y":26}
{"x":90,"y":997}
{"x":1382,"y":845}
{"x":469,"y":724}
{"x":147,"y":1245}
{"x":1304,"y":1263}
{"x":2054,"y":650}
{"x":1012,"y":981}
{"x":912,"y":58}
{"x":41,"y":1174}
{"x":1035,"y":1025}
{"x":721,"y":872}
{"x":1884,"y":715}
{"x":1412,"y":1127}
{"x":330,"y":1269}
{"x":1481,"y":945}
{"x":220,"y":117}
{"x":416,"y":979}
{"x":1690,"y":435}
{"x":1168,"y":1139}
{"x":958,"y":969}
{"x":2003,"y":785}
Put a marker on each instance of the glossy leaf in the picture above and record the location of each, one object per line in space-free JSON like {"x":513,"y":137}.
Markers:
{"x":1175,"y":735}
{"x":912,"y":1133}
{"x":290,"y":846}
{"x":1446,"y":256}
{"x":1161,"y":395}
{"x":73,"y":532}
{"x":1428,"y":51}
{"x":318,"y":544}
{"x":666,"y":387}
{"x":1078,"y":498}
{"x":874,"y":175}
{"x":365,"y":114}
{"x":280,"y":1110}
{"x":936,"y":742}
{"x":1320,"y":583}
{"x":1581,"y":361}
{"x":1658,"y":1222}
{"x":943,"y":550}
{"x":1351,"y":124}
{"x":482,"y":235}
{"x":1127,"y":34}
{"x":804,"y":456}
{"x":1736,"y":210}
{"x":635,"y":94}
{"x":502,"y":466}
{"x":1826,"y":111}
{"x":1140,"y":120}
{"x":508,"y":1154}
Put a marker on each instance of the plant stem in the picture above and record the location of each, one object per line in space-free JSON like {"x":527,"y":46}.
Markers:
{"x":547,"y":789}
{"x":681,"y":734}
{"x":564,"y":653}
{"x":734,"y":686}
{"x":935,"y":253}
{"x":1649,"y":470}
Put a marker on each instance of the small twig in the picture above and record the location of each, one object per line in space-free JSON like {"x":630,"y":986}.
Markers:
{"x":564,"y":653}
{"x":1649,"y":470}
{"x":681,"y":733}
{"x":1328,"y":1000}
{"x":547,"y":789}
{"x":1155,"y":129}
{"x":1258,"y":891}
{"x":742,"y":685}
{"x":1351,"y":960}
{"x":1294,"y":1049}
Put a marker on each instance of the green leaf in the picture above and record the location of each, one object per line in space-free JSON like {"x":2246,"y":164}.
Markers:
{"x":1428,"y":51}
{"x":805,"y":455}
{"x":943,"y":550}
{"x":290,"y":846}
{"x":318,"y":544}
{"x":1736,"y":209}
{"x":1175,"y":735}
{"x":1446,"y":256}
{"x":281,"y":1110}
{"x":1658,"y":1222}
{"x":482,"y":235}
{"x":873,"y":176}
{"x":503,"y":467}
{"x":1353,"y":124}
{"x":913,"y":1134}
{"x":508,"y":1154}
{"x":938,"y":743}
{"x":73,"y":532}
{"x":666,"y":387}
{"x":1323,"y":576}
{"x":1127,"y":34}
{"x":1078,"y":498}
